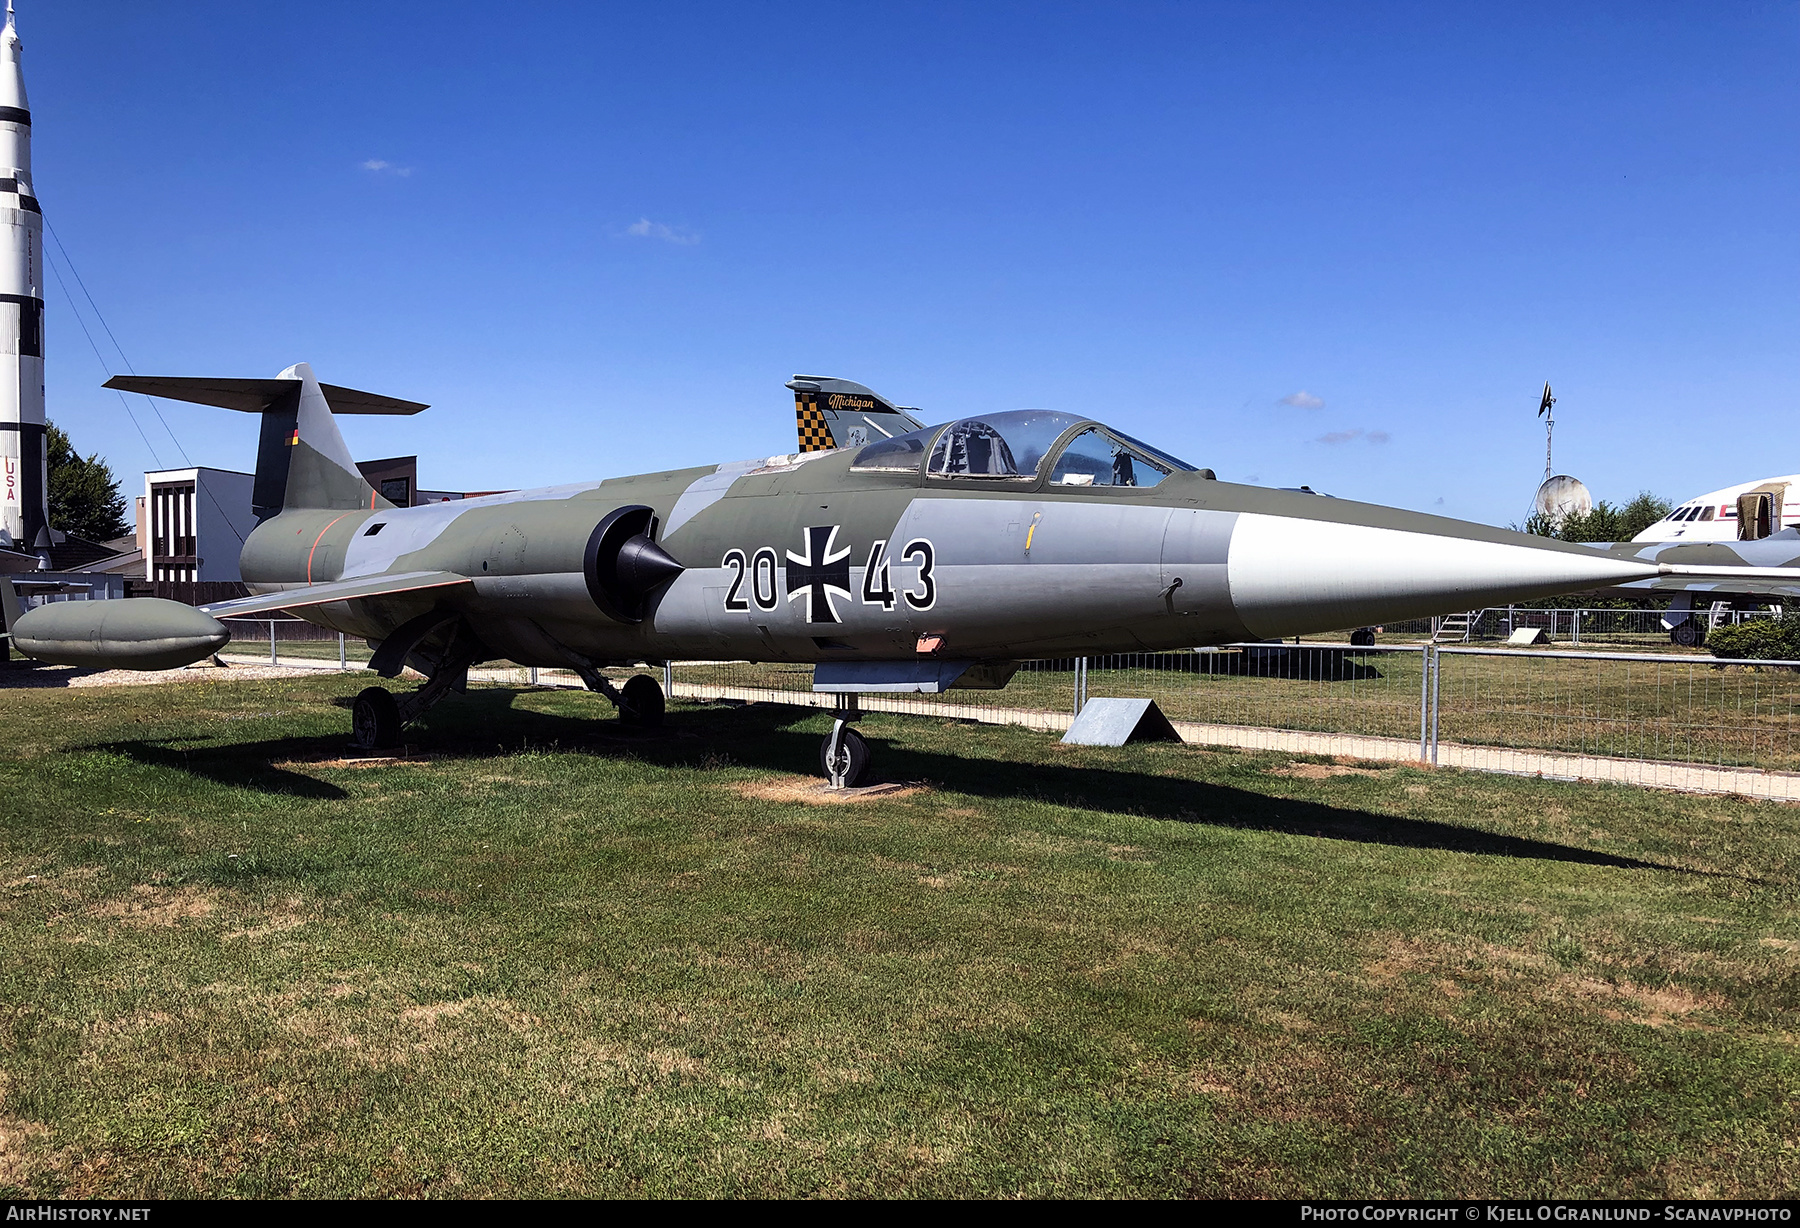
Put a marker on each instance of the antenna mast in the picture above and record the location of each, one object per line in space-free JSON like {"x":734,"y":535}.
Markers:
{"x":1547,"y":411}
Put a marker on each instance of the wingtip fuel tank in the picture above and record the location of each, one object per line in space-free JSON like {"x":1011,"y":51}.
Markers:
{"x":142,"y":633}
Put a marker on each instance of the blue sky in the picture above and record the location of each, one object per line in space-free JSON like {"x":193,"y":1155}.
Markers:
{"x":599,"y":238}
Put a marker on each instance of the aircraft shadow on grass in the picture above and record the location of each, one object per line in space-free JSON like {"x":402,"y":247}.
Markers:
{"x":241,"y":765}
{"x":485,"y":722}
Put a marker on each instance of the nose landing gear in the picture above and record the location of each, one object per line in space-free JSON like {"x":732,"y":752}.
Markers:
{"x":844,"y":755}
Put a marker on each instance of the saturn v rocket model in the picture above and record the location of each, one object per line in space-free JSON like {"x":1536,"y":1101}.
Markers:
{"x":23,"y":494}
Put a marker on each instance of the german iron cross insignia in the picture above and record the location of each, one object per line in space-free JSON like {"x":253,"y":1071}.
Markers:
{"x":820,"y":574}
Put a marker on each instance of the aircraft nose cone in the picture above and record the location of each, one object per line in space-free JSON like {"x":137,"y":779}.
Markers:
{"x":1290,"y":576}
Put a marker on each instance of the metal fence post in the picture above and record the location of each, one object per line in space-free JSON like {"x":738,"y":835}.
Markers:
{"x":272,"y":658}
{"x":1081,"y":669}
{"x":1424,"y":703}
{"x":668,"y":678}
{"x":1437,"y":664}
{"x":342,"y":663}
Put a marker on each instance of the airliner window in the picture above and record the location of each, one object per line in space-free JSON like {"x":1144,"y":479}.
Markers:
{"x":1706,"y":513}
{"x":1094,"y":458}
{"x":899,"y":454}
{"x":1009,"y":445}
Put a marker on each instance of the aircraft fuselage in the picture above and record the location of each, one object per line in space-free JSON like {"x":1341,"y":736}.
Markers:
{"x":805,"y":559}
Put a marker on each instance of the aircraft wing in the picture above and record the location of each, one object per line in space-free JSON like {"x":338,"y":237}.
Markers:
{"x":1744,"y":586}
{"x":1766,"y":568}
{"x":341,"y":590}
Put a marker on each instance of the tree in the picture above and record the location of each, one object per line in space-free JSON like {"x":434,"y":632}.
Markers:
{"x":1641,"y":513}
{"x":1605,"y":523}
{"x":84,"y":495}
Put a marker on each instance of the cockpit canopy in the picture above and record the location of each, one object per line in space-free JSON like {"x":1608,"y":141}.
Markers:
{"x":1015,"y":445}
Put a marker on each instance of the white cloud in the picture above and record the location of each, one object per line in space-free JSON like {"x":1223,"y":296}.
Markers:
{"x":1376,"y":438}
{"x":377,"y":166}
{"x":1303,"y":400}
{"x":644,"y":228}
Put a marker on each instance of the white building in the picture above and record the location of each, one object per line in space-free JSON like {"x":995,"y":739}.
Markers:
{"x":198,"y":520}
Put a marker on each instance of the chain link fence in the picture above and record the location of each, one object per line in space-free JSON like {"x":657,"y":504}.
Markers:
{"x":1651,"y":719}
{"x":285,"y":640}
{"x":1621,"y":629}
{"x":1666,"y":719}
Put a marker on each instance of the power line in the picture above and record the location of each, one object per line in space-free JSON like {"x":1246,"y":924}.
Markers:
{"x":105,"y":366}
{"x":98,"y":315}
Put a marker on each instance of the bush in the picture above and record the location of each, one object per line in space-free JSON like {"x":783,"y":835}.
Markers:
{"x":1759,"y":639}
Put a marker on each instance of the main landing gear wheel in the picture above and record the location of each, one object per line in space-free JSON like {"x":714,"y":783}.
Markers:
{"x":643,"y":701}
{"x":375,"y":719}
{"x":850,"y":764}
{"x":1689,"y":633}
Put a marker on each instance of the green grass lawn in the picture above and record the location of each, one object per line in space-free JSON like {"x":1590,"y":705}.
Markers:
{"x":544,"y":956}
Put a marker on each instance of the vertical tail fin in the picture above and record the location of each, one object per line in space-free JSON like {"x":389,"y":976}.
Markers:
{"x":301,"y":459}
{"x":315,"y":466}
{"x":836,"y":413}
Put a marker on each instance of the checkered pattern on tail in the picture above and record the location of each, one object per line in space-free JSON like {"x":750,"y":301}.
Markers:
{"x":815,"y":432}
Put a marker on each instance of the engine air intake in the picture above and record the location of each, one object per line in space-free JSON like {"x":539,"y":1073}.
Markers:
{"x":623,"y":566}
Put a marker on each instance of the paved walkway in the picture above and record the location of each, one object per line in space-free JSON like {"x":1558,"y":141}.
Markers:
{"x":1644,"y":773}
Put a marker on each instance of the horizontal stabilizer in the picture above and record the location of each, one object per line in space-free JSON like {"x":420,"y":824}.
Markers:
{"x":341,"y":590}
{"x":254,"y":396}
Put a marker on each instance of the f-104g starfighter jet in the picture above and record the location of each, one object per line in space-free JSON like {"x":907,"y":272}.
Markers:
{"x":909,"y":560}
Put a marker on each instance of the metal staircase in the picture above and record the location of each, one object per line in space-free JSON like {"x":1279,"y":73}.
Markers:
{"x":1454,"y":627}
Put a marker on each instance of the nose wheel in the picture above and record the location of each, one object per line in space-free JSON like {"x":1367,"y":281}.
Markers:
{"x":844,"y":756}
